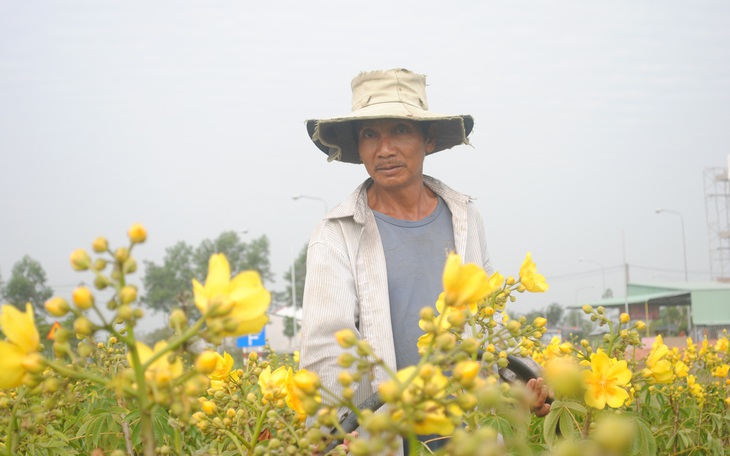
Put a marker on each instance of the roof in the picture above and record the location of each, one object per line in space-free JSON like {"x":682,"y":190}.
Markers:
{"x":709,"y":301}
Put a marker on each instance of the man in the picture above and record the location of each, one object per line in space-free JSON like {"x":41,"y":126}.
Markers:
{"x":377,"y":258}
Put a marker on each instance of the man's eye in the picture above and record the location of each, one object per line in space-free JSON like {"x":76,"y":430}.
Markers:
{"x":367,"y":134}
{"x":402,"y":129}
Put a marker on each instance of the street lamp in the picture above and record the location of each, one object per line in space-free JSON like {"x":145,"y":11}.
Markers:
{"x":299,"y":196}
{"x":659,"y":210}
{"x":603,"y":270}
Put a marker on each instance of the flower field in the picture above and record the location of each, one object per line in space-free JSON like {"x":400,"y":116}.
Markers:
{"x":97,"y":390}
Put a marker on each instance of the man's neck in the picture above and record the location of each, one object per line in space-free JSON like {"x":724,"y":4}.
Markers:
{"x":409,"y":203}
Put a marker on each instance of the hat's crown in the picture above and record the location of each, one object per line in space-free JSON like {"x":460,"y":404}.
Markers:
{"x":389,"y":86}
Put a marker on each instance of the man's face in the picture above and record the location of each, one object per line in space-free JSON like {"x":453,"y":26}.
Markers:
{"x":393,"y":151}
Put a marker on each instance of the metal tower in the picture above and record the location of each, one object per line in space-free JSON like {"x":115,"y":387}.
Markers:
{"x":717,"y":208}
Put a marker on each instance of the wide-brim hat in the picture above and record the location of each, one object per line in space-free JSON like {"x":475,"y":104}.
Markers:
{"x":386,"y":94}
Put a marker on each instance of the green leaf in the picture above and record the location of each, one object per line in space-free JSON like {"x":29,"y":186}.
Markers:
{"x":551,"y":422}
{"x":567,"y":426}
{"x":575,"y":406}
{"x":645,"y":442}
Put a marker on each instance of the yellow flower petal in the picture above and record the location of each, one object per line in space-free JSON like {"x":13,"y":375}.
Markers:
{"x":219,"y":275}
{"x":19,"y":327}
{"x":11,"y":365}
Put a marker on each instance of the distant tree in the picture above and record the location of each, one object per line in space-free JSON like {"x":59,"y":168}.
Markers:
{"x":242,"y":256}
{"x":27,"y":283}
{"x":579,"y":325}
{"x":289,"y":328}
{"x":285,"y":299}
{"x":168,"y":284}
{"x":531,"y":315}
{"x":300,"y":272}
{"x":554,"y":313}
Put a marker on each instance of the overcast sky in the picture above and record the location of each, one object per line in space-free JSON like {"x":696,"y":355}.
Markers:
{"x":188,"y":117}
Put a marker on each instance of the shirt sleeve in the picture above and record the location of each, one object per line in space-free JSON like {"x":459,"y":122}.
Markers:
{"x":330,"y":304}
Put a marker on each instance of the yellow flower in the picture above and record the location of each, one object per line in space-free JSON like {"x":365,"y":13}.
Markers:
{"x":437,"y":419}
{"x":274,"y":384}
{"x":161,"y":371}
{"x":440,"y":324}
{"x":223,"y":370}
{"x":721,"y":345}
{"x":426,"y":392}
{"x":680,"y":369}
{"x":464,"y":284}
{"x":19,"y":353}
{"x":605,"y":381}
{"x":658,"y":369}
{"x":241,"y":303}
{"x":721,"y":371}
{"x":530,"y":278}
{"x":695,"y":388}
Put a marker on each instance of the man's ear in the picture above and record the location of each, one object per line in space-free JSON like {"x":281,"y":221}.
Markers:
{"x":430,"y":139}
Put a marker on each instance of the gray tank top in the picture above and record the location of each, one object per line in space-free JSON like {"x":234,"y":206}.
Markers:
{"x":415,"y":254}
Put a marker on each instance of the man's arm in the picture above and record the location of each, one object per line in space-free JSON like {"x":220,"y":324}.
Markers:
{"x":330,"y":304}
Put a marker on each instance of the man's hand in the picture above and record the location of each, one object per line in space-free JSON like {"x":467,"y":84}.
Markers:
{"x":539,"y":392}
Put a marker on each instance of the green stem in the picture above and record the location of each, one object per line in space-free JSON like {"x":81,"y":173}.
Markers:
{"x":145,"y":410}
{"x":177,"y":342}
{"x":257,"y":430}
{"x":12,"y":438}
{"x":234,"y":439}
{"x":82,"y":375}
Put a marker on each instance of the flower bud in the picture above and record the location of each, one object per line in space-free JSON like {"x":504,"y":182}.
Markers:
{"x":178,"y":318}
{"x":129,"y":266}
{"x":513,"y":326}
{"x":83,"y":326}
{"x":446,"y":341}
{"x":344,"y":378}
{"x":206,"y":362}
{"x":99,"y":264}
{"x":101,"y":282}
{"x":137,"y":233}
{"x":510,"y":281}
{"x":307,"y":381}
{"x":33,"y":363}
{"x":640,"y":325}
{"x":587,"y":308}
{"x":124,"y":312}
{"x":427,"y":314}
{"x":466,"y":371}
{"x":624,"y":318}
{"x":346,"y":338}
{"x":540,"y":322}
{"x":388,"y":391}
{"x":346,"y":359}
{"x":127,"y":294}
{"x":82,"y":298}
{"x":121,"y":254}
{"x":456,"y":319}
{"x":80,"y":260}
{"x":58,"y":307}
{"x":470,"y":345}
{"x":100,"y":245}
